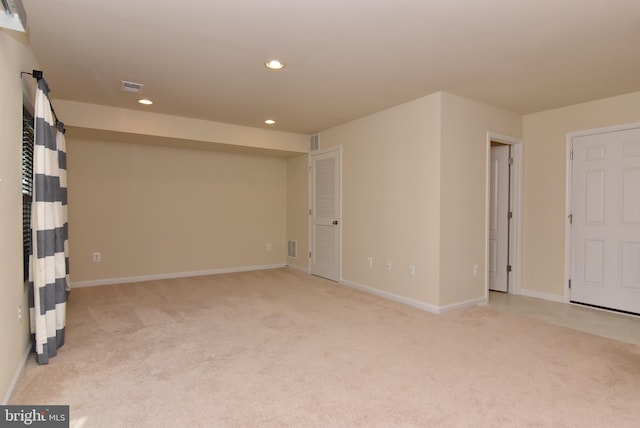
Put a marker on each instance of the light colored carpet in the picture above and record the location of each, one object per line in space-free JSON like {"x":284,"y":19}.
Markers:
{"x":281,"y":348}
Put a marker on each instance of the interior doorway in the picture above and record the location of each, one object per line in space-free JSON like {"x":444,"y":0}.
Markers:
{"x":499,"y":217}
{"x":504,"y":214}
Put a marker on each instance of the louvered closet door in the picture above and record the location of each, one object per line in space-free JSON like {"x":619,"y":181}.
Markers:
{"x":605,"y":244}
{"x":325,"y":180}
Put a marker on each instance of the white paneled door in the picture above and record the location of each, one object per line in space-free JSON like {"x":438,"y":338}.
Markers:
{"x":605,"y":231}
{"x":324,"y":214}
{"x":498,"y":219}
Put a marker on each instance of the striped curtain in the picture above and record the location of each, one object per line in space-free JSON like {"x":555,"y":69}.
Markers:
{"x":48,"y":257}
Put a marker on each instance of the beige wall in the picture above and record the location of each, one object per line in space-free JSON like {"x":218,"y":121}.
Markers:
{"x":14,"y":336}
{"x":390,"y":199}
{"x":545,"y":178}
{"x":297,"y":208}
{"x":154,"y":210}
{"x":465,"y":124}
{"x":414,"y":192}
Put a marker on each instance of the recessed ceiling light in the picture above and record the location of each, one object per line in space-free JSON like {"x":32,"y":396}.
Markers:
{"x":270,"y":122}
{"x":145,"y":102}
{"x":274,"y":64}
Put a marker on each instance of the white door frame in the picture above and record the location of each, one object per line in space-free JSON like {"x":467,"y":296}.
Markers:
{"x":515,"y":235}
{"x":569,"y":194}
{"x":310,"y":205}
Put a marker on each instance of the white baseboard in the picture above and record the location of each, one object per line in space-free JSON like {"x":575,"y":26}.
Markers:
{"x":412,"y":302}
{"x":542,"y":295}
{"x":463,"y":305}
{"x":391,"y":296}
{"x":16,"y":375}
{"x":299,"y":268}
{"x":124,"y":280}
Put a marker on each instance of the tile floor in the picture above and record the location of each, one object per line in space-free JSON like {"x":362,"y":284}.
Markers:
{"x":603,"y":323}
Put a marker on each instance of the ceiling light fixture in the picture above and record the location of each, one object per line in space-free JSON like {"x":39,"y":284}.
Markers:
{"x":274,"y":64}
{"x":270,"y":122}
{"x":145,"y":102}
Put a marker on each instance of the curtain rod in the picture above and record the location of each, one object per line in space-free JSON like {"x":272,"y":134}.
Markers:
{"x":38,"y":75}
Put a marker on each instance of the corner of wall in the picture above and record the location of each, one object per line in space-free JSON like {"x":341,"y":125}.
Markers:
{"x":463,"y":164}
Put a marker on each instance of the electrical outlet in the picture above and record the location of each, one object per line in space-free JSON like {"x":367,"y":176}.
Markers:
{"x":476,"y":270}
{"x":269,"y":247}
{"x":387,"y":265}
{"x":19,"y":313}
{"x":370,"y":261}
{"x":412,"y":270}
{"x":97,"y":257}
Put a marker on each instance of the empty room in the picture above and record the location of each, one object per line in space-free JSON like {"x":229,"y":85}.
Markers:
{"x":319,"y":214}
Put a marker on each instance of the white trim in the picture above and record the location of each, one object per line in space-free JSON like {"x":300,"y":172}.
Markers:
{"x":463,"y":305}
{"x":604,"y":130}
{"x":412,"y":302}
{"x":391,"y":296}
{"x":569,"y":194}
{"x":515,"y":247}
{"x":309,"y":205}
{"x":487,"y":215}
{"x":17,"y":375}
{"x":542,"y":295}
{"x":124,"y":280}
{"x":298,"y":268}
{"x":566,"y":294}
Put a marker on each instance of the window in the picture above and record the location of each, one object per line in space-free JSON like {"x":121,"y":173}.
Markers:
{"x":27,"y":185}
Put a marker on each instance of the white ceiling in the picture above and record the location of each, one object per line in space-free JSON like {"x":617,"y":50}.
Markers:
{"x":345,"y":58}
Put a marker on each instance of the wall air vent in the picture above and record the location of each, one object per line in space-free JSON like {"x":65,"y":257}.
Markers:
{"x":131,"y":86}
{"x":315,"y":142}
{"x":292,"y":249}
{"x":13,"y":16}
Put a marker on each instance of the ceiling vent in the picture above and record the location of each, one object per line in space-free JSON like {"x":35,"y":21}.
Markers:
{"x":13,"y":16}
{"x":131,"y":86}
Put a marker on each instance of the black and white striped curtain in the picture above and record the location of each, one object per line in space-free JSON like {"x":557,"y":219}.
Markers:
{"x":49,"y":255}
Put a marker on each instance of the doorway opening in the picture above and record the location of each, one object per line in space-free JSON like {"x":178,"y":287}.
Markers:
{"x":499,"y":217}
{"x":504,"y":214}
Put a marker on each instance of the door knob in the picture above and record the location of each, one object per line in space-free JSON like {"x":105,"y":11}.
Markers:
{"x":335,"y":222}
